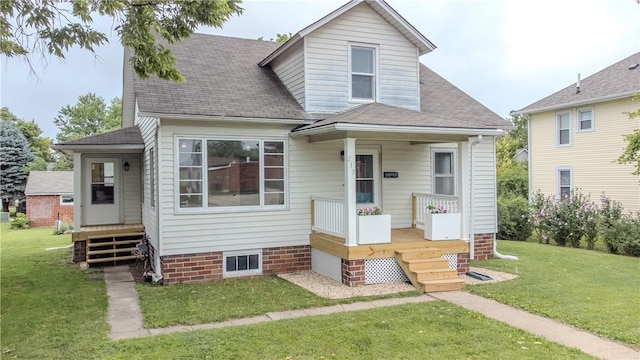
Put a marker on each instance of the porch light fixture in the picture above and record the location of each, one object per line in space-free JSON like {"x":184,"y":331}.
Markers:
{"x":126,"y":166}
{"x":342,"y":155}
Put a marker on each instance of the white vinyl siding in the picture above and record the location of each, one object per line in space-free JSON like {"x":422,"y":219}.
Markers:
{"x":327,"y":62}
{"x":484,"y":187}
{"x":148,"y":130}
{"x":289,"y":67}
{"x":585,"y":120}
{"x":563,"y":128}
{"x":131,"y":189}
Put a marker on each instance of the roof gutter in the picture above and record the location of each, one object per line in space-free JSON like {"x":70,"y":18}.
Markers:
{"x":575,"y":103}
{"x":226,"y":118}
{"x":397,"y":129}
{"x":120,"y":148}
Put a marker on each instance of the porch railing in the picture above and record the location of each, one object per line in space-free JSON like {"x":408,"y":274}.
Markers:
{"x":327,"y":216}
{"x":420,"y":202}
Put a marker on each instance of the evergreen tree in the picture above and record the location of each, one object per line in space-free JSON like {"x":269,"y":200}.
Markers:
{"x":15,"y":154}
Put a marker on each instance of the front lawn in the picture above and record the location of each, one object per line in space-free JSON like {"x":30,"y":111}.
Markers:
{"x":52,"y":310}
{"x":591,"y":290}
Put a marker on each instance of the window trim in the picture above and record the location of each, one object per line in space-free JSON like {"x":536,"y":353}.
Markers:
{"x":376,"y":72}
{"x":593,"y":124}
{"x":205,"y":208}
{"x":558,"y":129}
{"x":66,"y":195}
{"x":238,"y":273}
{"x":558,"y":179}
{"x":454,"y":167}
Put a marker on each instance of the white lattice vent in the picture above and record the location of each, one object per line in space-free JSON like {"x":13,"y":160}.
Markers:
{"x":453,"y":260}
{"x":379,"y":271}
{"x":326,"y":264}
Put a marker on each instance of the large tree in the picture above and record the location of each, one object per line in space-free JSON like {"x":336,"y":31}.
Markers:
{"x":30,"y":27}
{"x":512,"y":175}
{"x":40,"y":146}
{"x":89,"y":116}
{"x":14,"y":157}
{"x":631,"y":153}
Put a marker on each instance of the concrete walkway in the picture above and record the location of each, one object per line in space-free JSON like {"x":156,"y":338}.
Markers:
{"x":125,"y":317}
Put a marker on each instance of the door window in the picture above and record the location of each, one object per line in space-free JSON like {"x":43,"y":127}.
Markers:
{"x":365,"y":189}
{"x":102,"y":183}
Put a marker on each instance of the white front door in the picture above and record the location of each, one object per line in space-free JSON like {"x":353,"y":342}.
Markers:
{"x":367,"y":178}
{"x":101,"y":200}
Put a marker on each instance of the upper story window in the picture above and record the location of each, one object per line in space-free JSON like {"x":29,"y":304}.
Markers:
{"x":444,"y":182}
{"x":585,"y":120}
{"x":563,"y":128}
{"x":363,"y":70}
{"x":228,"y":174}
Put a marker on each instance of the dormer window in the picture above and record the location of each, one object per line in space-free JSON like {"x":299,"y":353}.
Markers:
{"x":363,"y":73}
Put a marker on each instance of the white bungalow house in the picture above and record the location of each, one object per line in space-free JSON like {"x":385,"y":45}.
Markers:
{"x":258,"y":163}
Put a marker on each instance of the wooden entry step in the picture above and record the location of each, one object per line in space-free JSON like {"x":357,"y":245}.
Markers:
{"x":428,"y":271}
{"x":113,"y":248}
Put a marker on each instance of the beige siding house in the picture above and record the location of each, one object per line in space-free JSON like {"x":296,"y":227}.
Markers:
{"x":258,"y":163}
{"x":576,"y":134}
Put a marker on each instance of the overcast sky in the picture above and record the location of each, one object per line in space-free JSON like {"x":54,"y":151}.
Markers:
{"x":505,"y":54}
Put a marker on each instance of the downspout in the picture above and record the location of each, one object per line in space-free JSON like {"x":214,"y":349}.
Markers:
{"x":157,"y":276}
{"x":495,"y":241}
{"x":472,"y":235}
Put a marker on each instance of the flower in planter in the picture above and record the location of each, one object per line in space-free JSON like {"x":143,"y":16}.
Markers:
{"x":369,"y":211}
{"x":437,"y":209}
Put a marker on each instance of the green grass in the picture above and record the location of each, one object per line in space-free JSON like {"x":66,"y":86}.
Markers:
{"x":435,"y":330}
{"x":189,"y":304}
{"x":50,"y":309}
{"x":591,"y":290}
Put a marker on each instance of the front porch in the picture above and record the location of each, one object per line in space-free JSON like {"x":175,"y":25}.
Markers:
{"x":108,"y":244}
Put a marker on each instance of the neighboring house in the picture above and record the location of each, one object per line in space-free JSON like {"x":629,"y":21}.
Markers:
{"x":257,"y":163}
{"x":49,"y":196}
{"x":521,"y":155}
{"x":576,"y":135}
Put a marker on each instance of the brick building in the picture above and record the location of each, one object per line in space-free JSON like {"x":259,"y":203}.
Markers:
{"x":49,"y":197}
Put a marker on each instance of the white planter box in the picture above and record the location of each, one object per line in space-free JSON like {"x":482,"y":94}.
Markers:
{"x":373,"y":229}
{"x":442,"y":226}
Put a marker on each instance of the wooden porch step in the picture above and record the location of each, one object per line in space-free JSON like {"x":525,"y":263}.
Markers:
{"x":111,"y":251}
{"x":111,"y":259}
{"x":432,"y":263}
{"x":426,"y":253}
{"x":115,"y":235}
{"x":436,"y":274}
{"x":111,"y":243}
{"x":442,"y":285}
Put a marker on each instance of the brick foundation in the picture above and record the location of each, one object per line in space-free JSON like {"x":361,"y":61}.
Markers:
{"x":353,"y":272}
{"x":79,"y":251}
{"x":44,"y":210}
{"x":191,"y":268}
{"x":483,"y":246}
{"x":204,"y":267}
{"x":286,"y":259}
{"x":463,"y":263}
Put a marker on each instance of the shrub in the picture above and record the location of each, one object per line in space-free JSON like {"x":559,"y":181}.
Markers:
{"x":565,"y":220}
{"x":513,"y":180}
{"x":623,"y":236}
{"x":513,"y":218}
{"x":20,"y":221}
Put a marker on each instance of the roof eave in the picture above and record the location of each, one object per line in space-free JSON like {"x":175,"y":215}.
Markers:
{"x":115,"y":148}
{"x":225,"y":118}
{"x":574,"y":103}
{"x":398,"y":129}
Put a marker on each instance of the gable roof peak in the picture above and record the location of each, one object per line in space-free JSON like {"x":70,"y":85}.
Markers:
{"x":379,"y":6}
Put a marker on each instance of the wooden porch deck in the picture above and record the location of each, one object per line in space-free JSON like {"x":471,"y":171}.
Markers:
{"x":99,"y":230}
{"x":401,"y":239}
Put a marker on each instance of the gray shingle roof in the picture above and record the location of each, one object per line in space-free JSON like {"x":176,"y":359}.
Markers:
{"x":223,"y":78}
{"x":126,"y":136}
{"x":617,"y":79}
{"x":49,"y":183}
{"x":441,"y":105}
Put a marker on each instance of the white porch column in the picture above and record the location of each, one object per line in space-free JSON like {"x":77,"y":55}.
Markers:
{"x":350,"y":191}
{"x":77,"y":191}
